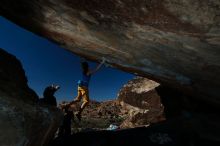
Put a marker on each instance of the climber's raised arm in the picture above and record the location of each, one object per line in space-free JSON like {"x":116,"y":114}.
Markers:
{"x":92,"y":71}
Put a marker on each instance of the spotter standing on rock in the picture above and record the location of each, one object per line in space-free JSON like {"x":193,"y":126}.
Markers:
{"x":49,"y":98}
{"x":83,"y":86}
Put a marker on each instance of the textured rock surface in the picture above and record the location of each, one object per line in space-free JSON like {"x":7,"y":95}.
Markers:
{"x":175,"y":42}
{"x":140,"y":99}
{"x":22,"y":122}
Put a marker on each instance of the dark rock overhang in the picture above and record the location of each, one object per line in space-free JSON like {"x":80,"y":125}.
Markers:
{"x":174,"y":42}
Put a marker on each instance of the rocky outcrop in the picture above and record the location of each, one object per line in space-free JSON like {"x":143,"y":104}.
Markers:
{"x":22,"y":121}
{"x":13,"y":81}
{"x":195,"y":120}
{"x":140,"y":99}
{"x":171,"y":41}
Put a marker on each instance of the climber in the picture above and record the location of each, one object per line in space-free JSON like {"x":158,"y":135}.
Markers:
{"x":83,"y":90}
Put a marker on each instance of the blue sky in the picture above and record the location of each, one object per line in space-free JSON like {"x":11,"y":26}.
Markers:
{"x":45,"y":63}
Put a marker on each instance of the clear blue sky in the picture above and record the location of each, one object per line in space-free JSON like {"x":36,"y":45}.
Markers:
{"x":45,"y":63}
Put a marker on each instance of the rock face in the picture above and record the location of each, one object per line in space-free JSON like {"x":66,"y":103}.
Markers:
{"x":22,"y":121}
{"x":194,"y":119}
{"x":174,"y":42}
{"x":140,"y":99}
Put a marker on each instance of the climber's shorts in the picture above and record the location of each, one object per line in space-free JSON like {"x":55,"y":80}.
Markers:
{"x":83,"y":93}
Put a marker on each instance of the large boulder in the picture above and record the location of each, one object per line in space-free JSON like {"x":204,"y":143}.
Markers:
{"x":175,"y":42}
{"x":142,"y":103}
{"x":22,"y":121}
{"x":194,"y":119}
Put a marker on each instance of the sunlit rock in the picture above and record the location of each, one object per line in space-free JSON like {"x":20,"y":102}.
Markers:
{"x":142,"y":103}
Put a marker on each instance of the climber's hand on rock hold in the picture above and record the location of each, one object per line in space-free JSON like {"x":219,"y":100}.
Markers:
{"x":103,"y":60}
